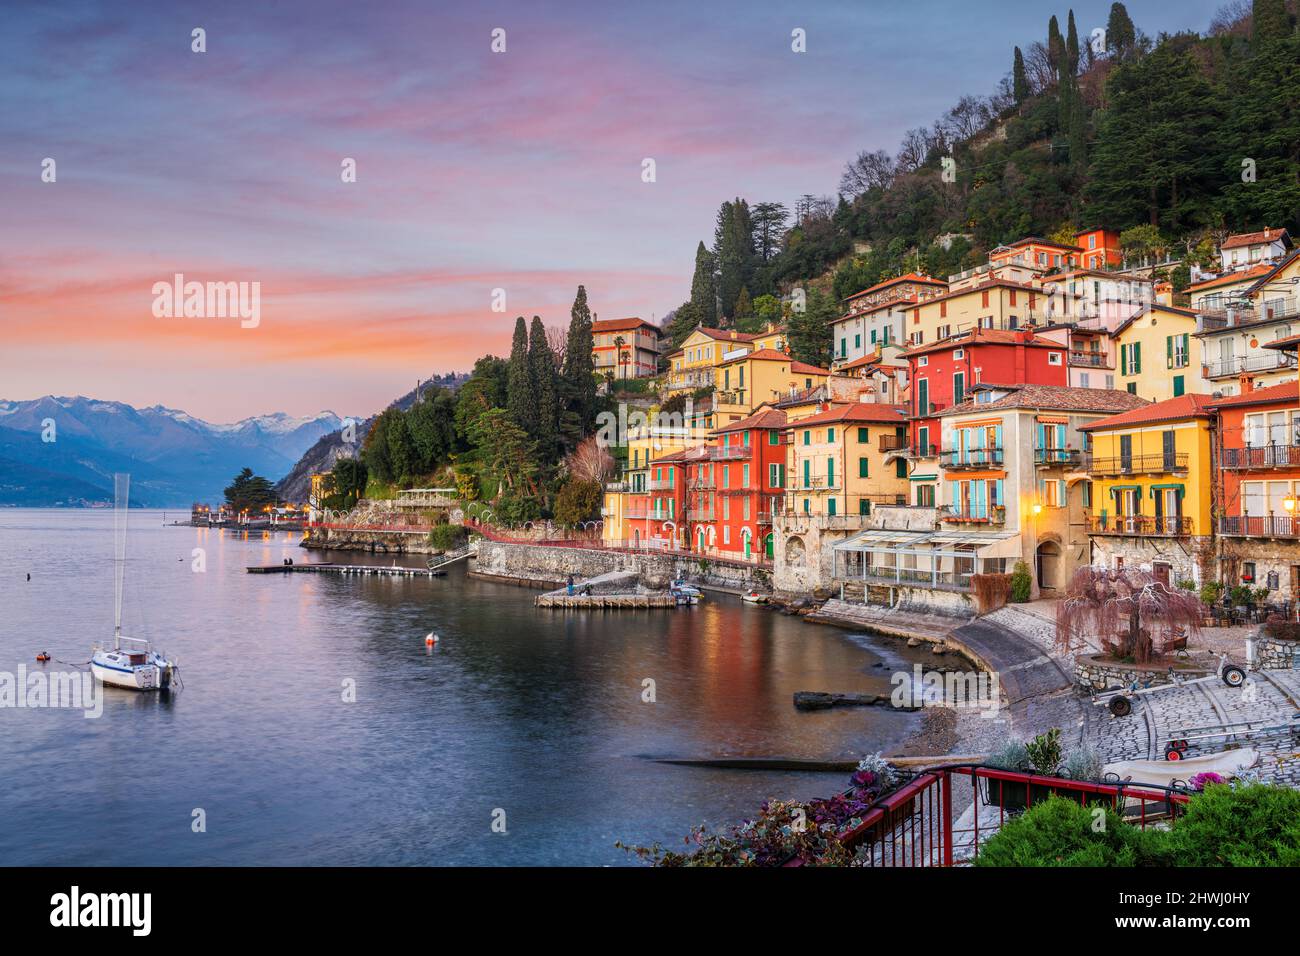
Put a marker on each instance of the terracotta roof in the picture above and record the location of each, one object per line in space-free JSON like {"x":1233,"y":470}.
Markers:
{"x":1267,"y":277}
{"x":621,"y":325}
{"x":1170,"y":410}
{"x":767,"y":418}
{"x":729,"y":335}
{"x":1039,"y":241}
{"x":979,"y":336}
{"x":1054,"y":397}
{"x":910,"y":277}
{"x":879,"y":306}
{"x":856,"y":412}
{"x":804,"y":368}
{"x":1260,"y":396}
{"x":1255,"y":238}
{"x":983,"y":286}
{"x":694,"y":453}
{"x":1231,"y":278}
{"x":763,"y":355}
{"x":1288,"y":344}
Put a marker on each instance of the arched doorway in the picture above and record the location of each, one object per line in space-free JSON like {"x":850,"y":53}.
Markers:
{"x":747,"y":536}
{"x":1047,"y":566}
{"x":699,"y":540}
{"x":770,"y":545}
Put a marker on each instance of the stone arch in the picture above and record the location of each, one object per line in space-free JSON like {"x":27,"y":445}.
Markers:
{"x":795,"y":550}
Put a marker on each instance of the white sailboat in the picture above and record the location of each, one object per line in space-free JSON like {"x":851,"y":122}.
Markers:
{"x":130,"y":662}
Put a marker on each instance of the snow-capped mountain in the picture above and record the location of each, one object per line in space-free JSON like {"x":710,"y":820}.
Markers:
{"x":174,"y":457}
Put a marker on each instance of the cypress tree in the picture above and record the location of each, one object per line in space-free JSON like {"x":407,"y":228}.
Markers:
{"x":519,"y":398}
{"x":1019,"y":80}
{"x":1121,"y":35}
{"x":703,"y":293}
{"x":543,"y":375}
{"x":1072,"y":47}
{"x":579,"y":383}
{"x":1055,"y":45}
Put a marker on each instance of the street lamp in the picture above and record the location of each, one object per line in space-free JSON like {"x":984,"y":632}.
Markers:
{"x":1289,"y":503}
{"x":1037,"y":509}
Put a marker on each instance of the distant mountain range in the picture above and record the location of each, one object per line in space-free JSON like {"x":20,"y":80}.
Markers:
{"x":174,"y":458}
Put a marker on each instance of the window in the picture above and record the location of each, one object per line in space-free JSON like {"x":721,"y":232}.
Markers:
{"x":864,"y":506}
{"x":857,"y":341}
{"x":830,"y":472}
{"x":726,"y":534}
{"x":774,"y":438}
{"x":943,"y":331}
{"x":1052,"y":492}
{"x":844,"y":347}
{"x":958,"y":387}
{"x":1176,"y":350}
{"x":862,"y":468}
{"x":984,"y":298}
{"x":943,"y":309}
{"x":959,"y":354}
{"x":744,"y":482}
{"x":900,"y":467}
{"x":776,"y":475}
{"x":1053,"y":358}
{"x":923,"y":361}
{"x":807,"y":472}
{"x":1179,"y":387}
{"x":925,"y":496}
{"x":830,"y":506}
{"x":1132,"y":388}
{"x":830,"y":436}
{"x":807,"y":508}
{"x":807,"y":437}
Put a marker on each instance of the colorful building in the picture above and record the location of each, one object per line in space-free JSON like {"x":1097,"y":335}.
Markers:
{"x":837,"y":460}
{"x":1150,"y":486}
{"x":1259,"y":467}
{"x":735,"y":487}
{"x":943,"y":374}
{"x":1160,"y":356}
{"x":1101,"y":249}
{"x":996,"y":304}
{"x":625,"y":348}
{"x":1249,"y":249}
{"x":876,"y":316}
{"x":753,"y":378}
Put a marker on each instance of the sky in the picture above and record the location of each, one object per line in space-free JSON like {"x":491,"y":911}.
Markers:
{"x":475,"y":170}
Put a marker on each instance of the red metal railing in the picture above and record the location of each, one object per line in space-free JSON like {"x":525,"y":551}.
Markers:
{"x":916,"y":825}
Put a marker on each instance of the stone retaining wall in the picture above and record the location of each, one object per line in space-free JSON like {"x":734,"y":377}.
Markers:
{"x":1096,"y":674}
{"x":654,"y":571}
{"x":1272,"y":654}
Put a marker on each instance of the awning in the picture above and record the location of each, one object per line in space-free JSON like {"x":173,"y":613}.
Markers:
{"x":882,"y":537}
{"x":988,"y":544}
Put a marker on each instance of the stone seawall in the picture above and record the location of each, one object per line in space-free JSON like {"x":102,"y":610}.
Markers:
{"x":552,"y":565}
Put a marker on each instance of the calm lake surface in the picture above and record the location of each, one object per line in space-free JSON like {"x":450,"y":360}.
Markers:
{"x":537,"y":713}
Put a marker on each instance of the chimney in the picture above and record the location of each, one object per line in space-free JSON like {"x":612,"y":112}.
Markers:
{"x":1247,"y":383}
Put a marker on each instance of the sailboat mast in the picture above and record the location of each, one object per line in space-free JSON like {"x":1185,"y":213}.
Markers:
{"x":121,"y":499}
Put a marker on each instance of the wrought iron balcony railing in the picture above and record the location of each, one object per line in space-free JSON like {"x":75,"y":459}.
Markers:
{"x":1162,"y":526}
{"x":972,"y":458}
{"x":1051,"y":457}
{"x":1135,"y":464}
{"x":1259,"y":526}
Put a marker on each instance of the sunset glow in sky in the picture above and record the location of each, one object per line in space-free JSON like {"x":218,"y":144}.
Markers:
{"x":475,"y":171}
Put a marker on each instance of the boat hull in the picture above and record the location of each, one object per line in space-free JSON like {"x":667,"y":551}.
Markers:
{"x":109,"y":668}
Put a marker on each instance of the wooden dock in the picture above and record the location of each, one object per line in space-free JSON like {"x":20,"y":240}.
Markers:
{"x":357,"y":569}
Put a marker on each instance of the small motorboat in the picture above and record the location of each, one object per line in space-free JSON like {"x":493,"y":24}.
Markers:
{"x":685,"y":593}
{"x":754,"y":597}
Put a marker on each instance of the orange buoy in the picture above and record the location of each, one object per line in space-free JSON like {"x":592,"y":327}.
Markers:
{"x":42,"y":657}
{"x":430,"y":639}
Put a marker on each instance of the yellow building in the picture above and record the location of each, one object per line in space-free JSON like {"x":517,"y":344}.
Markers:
{"x":997,"y":304}
{"x":1148,"y":495}
{"x":692,"y":365}
{"x":746,"y":381}
{"x":836,"y":460}
{"x":1158,"y":356}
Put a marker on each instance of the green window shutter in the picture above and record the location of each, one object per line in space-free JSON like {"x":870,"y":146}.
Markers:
{"x":863,"y":437}
{"x":1169,"y":351}
{"x":862,"y":468}
{"x":830,"y":472}
{"x":1179,"y":388}
{"x":864,"y":506}
{"x":807,"y":437}
{"x":1137,"y":358}
{"x":830,"y":506}
{"x":1123,"y":360}
{"x":830,"y":436}
{"x":807,"y":472}
{"x":900,"y":467}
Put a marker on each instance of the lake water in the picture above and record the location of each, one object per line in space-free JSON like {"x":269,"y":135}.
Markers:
{"x":538,"y":713}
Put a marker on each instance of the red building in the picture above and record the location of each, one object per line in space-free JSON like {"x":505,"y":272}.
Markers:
{"x":1101,"y":249}
{"x":732,"y":489}
{"x":943,"y":373}
{"x":1259,"y":471}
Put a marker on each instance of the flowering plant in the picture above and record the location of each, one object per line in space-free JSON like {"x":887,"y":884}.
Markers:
{"x":1201,"y":780}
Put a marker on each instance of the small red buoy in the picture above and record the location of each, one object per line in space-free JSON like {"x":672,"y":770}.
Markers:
{"x":42,"y":657}
{"x":430,"y":640}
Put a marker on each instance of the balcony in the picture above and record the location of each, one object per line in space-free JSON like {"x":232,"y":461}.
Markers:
{"x":1143,"y":526}
{"x":995,"y":515}
{"x":1220,"y":313}
{"x":819,"y":483}
{"x":922,"y":451}
{"x":1270,"y":361}
{"x":1259,"y":526}
{"x":893,"y":443}
{"x":1056,"y":457}
{"x":1091,"y":359}
{"x":702,"y":482}
{"x":1135,"y":464}
{"x":1265,"y":456}
{"x":730,"y":453}
{"x":616,"y":487}
{"x":956,"y":460}
{"x":662,"y":484}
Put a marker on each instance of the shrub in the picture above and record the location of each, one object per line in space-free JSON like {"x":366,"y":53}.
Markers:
{"x":1045,"y":752}
{"x":1252,"y":825}
{"x":1211,"y":591}
{"x":1082,"y":764}
{"x":1240,"y":595}
{"x":578,"y":501}
{"x":1061,"y":832}
{"x":1022,"y":584}
{"x":1012,"y":756}
{"x":1279,"y":628}
{"x":448,"y":537}
{"x":1187,"y":584}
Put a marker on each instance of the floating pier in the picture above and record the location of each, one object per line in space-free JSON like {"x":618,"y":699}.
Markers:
{"x":358,"y":569}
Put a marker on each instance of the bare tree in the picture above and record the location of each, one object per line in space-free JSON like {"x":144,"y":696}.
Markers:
{"x":868,"y":170}
{"x":1233,"y":17}
{"x":1127,"y":609}
{"x":558,"y":339}
{"x":1039,"y":69}
{"x":913,"y":150}
{"x":966,"y":119}
{"x":590,"y":461}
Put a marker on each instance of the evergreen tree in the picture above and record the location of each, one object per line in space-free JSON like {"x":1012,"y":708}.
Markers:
{"x":734,"y":251}
{"x":543,"y":375}
{"x":769,"y":225}
{"x":744,"y":307}
{"x":1072,"y":47}
{"x":1055,"y":45}
{"x":1121,"y":35}
{"x":1269,"y":21}
{"x":810,"y":330}
{"x":704,"y":303}
{"x":519,"y":386}
{"x":579,"y":384}
{"x":1019,"y":80}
